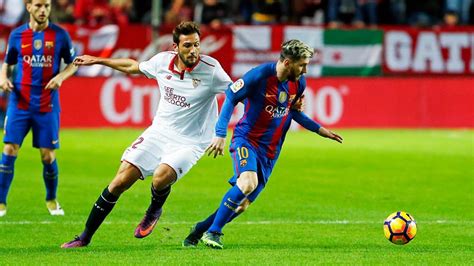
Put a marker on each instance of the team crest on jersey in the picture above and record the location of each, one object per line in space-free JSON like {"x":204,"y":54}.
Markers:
{"x":282,"y":97}
{"x":196,"y":82}
{"x":37,"y":44}
{"x":236,"y":86}
{"x":243,"y":163}
{"x":49,"y":44}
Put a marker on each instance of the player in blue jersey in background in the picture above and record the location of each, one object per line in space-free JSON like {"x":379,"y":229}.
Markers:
{"x":270,"y":93}
{"x":36,"y":48}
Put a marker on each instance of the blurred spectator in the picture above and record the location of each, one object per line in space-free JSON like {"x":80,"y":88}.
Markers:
{"x":391,"y":12}
{"x":210,"y":12}
{"x":460,"y":7}
{"x":450,"y":19}
{"x":179,"y":10}
{"x":62,"y":11}
{"x":471,"y":14}
{"x":267,"y":11}
{"x":424,"y":13}
{"x":92,"y":12}
{"x":357,"y":12}
{"x":309,"y":11}
{"x":11,"y":12}
{"x":122,"y":10}
{"x":141,"y":11}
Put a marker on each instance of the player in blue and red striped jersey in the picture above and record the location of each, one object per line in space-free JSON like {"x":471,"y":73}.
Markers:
{"x":36,"y":48}
{"x":271,"y":94}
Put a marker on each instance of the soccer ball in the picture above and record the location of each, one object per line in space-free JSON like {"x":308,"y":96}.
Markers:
{"x":399,"y":228}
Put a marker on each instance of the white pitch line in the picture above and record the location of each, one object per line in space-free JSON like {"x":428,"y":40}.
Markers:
{"x":322,"y":222}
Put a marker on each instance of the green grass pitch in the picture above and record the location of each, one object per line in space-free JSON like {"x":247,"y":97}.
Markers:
{"x":325,"y":203}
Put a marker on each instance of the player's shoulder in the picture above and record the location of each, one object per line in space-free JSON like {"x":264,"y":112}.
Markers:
{"x":19,"y":30}
{"x":208,"y":61}
{"x":264,"y":70}
{"x":164,"y":57}
{"x":57,"y":28}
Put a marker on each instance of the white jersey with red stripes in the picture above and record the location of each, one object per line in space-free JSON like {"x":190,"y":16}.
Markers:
{"x":188,"y":106}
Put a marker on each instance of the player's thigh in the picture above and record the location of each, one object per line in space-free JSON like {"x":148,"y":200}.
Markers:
{"x":145,"y":153}
{"x":244,"y":157}
{"x":16,"y":126}
{"x":182,"y":157}
{"x":45,"y":127}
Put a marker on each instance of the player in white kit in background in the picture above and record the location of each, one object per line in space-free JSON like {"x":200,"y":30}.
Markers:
{"x":181,"y":130}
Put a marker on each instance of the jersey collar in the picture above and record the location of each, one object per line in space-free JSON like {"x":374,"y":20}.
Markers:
{"x":172,"y":68}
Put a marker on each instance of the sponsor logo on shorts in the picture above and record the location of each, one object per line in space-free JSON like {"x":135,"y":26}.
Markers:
{"x":54,"y":142}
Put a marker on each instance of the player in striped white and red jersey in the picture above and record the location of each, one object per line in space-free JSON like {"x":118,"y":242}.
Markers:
{"x":36,"y":49}
{"x":270,"y":93}
{"x":182,"y":129}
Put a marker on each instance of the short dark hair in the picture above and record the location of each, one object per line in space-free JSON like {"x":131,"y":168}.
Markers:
{"x":295,"y":50}
{"x":185,"y":28}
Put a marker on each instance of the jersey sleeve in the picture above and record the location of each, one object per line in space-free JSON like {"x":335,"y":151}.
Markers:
{"x":306,"y":122}
{"x":236,"y":92}
{"x":67,"y":51}
{"x":11,"y":55}
{"x":149,"y":68}
{"x":244,"y":86}
{"x":221,"y":80}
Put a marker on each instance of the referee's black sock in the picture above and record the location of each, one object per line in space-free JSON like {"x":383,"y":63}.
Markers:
{"x":100,"y":210}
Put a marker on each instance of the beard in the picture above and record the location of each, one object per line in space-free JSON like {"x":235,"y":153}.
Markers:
{"x":40,"y":20}
{"x":186,"y":62}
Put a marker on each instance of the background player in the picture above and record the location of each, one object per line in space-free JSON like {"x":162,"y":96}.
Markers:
{"x":269,"y":93}
{"x":36,"y":48}
{"x":182,"y":128}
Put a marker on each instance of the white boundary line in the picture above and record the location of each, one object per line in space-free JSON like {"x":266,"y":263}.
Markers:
{"x":276,"y":222}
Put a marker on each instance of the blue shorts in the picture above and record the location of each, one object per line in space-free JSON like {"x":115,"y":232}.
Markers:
{"x":45,"y":127}
{"x":246,"y":158}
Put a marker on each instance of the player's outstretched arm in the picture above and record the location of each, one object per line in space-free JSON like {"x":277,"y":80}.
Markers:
{"x":5,"y":83}
{"x":329,"y":134}
{"x":57,"y":80}
{"x":125,"y":65}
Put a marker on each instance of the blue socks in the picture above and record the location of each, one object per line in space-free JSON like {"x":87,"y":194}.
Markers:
{"x":50,"y":176}
{"x":6,"y":176}
{"x":229,"y":203}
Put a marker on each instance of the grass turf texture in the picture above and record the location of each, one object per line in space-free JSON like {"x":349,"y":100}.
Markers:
{"x":325,"y":203}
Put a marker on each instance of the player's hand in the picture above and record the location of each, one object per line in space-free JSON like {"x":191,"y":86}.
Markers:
{"x":6,"y":85}
{"x":216,"y":147}
{"x":329,"y":134}
{"x":299,"y":105}
{"x":85,"y":60}
{"x":54,"y":83}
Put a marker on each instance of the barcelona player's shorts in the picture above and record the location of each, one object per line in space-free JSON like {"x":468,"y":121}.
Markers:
{"x":246,"y":158}
{"x":45,"y":127}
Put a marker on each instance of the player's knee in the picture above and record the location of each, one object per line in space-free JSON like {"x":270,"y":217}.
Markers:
{"x":163,"y":177}
{"x":47,"y":156}
{"x":11,"y":149}
{"x":247,"y":182}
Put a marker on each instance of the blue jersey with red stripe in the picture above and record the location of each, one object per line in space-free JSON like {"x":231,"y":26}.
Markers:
{"x":267,"y":116}
{"x":38,"y":57}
